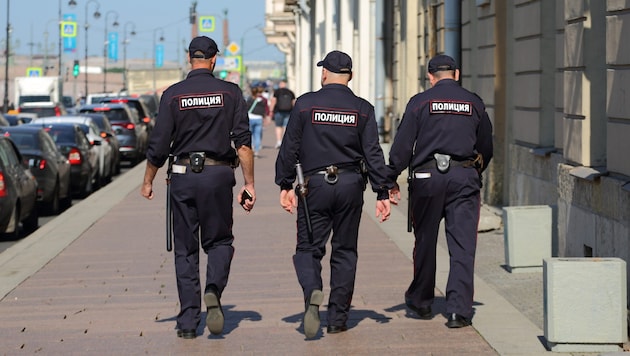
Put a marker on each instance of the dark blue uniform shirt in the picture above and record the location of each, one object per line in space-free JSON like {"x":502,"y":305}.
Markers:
{"x":332,"y":126}
{"x":445,"y":119}
{"x":200,"y":114}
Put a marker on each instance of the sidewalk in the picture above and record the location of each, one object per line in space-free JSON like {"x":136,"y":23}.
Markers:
{"x":98,"y":280}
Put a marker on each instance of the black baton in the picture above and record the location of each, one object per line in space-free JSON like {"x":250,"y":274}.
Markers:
{"x":301,"y":191}
{"x":169,"y":215}
{"x":409,"y":205}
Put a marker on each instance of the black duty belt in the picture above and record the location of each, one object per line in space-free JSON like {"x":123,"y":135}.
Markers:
{"x":207,"y":162}
{"x":453,"y":163}
{"x":332,"y":172}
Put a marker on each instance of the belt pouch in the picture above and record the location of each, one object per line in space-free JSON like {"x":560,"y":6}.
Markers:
{"x":197,"y":161}
{"x":442,"y":161}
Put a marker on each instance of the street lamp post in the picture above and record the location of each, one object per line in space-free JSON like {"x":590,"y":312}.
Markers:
{"x":71,"y":4}
{"x":6,"y":66}
{"x":154,"y":50}
{"x":106,"y":43}
{"x":125,"y":42}
{"x":97,"y":14}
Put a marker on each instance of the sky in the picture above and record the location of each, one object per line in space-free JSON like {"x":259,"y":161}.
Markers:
{"x":152,"y":19}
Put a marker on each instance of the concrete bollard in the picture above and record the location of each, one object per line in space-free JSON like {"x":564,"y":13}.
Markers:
{"x":585,"y":304}
{"x":527,"y":237}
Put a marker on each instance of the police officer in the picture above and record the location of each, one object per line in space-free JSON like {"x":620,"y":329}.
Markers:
{"x":332,"y":134}
{"x":199,"y":119}
{"x":445,"y":136}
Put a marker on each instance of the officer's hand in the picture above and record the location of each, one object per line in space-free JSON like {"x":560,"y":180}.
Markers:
{"x":394,"y":195}
{"x":383,"y":209}
{"x":247,"y":203}
{"x":146,"y":190}
{"x":287,"y":200}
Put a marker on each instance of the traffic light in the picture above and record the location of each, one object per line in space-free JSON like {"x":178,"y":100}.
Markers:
{"x":75,"y":68}
{"x":223,"y":74}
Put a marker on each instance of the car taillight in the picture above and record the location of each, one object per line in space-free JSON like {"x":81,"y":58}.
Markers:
{"x":3,"y":189}
{"x":42,"y":164}
{"x":146,"y":120}
{"x":57,"y":111}
{"x":130,"y":126}
{"x":74,"y":156}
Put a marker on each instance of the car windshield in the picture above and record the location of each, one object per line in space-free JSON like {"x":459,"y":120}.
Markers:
{"x":25,"y":140}
{"x":113,"y":115}
{"x":61,"y":135}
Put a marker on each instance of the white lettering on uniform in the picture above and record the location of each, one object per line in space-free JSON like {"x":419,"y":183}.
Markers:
{"x":451,"y":107}
{"x":334,"y":118}
{"x":201,"y":101}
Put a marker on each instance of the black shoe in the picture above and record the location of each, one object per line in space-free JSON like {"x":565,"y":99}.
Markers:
{"x":311,"y":314}
{"x":214,"y":317}
{"x":187,"y":333}
{"x":334,"y":329}
{"x":457,"y":321}
{"x":423,"y":312}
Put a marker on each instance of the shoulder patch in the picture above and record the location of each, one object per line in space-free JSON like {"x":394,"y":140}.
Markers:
{"x":334,"y":117}
{"x":201,"y":101}
{"x":450,"y":107}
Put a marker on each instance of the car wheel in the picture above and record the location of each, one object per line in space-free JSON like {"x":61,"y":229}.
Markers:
{"x":87,"y":188}
{"x":53,"y":206}
{"x":30,"y":224}
{"x":12,"y":232}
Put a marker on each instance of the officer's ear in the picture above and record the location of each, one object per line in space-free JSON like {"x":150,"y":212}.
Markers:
{"x":457,"y":75}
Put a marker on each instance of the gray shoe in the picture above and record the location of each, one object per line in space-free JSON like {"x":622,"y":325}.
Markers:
{"x":214,"y":317}
{"x":311,"y":315}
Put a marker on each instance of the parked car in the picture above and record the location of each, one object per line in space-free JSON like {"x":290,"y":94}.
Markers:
{"x":47,"y":164}
{"x":133,"y":135}
{"x":146,"y":116}
{"x":68,"y":103}
{"x":19,"y":118}
{"x":74,"y":144}
{"x":153,"y":103}
{"x":43,"y":109}
{"x":4,"y":121}
{"x":18,"y":192}
{"x":107,"y":132}
{"x":91,"y":129}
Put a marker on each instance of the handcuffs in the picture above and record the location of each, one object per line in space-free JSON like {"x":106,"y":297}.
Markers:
{"x":332,"y":174}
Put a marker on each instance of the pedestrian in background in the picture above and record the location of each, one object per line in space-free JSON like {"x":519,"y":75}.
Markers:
{"x":199,"y":120}
{"x":445,"y":136}
{"x":333,"y":135}
{"x":282,"y":103}
{"x":258,"y":112}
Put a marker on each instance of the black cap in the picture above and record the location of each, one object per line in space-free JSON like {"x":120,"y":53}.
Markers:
{"x":202,"y":47}
{"x":337,"y":62}
{"x":441,"y":62}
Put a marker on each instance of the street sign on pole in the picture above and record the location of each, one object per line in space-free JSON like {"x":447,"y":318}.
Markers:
{"x":233,"y":48}
{"x":206,"y":23}
{"x":68,"y":29}
{"x":229,"y":63}
{"x":34,"y":72}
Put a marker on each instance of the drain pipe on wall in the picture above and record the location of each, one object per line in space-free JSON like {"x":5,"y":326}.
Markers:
{"x":452,"y":27}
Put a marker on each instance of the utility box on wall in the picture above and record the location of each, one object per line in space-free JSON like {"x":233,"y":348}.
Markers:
{"x":527,"y":237}
{"x":585,"y":304}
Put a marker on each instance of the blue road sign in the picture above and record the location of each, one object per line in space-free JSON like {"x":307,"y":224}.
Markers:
{"x":112,"y":46}
{"x":69,"y":43}
{"x":159,"y":56}
{"x":206,"y":23}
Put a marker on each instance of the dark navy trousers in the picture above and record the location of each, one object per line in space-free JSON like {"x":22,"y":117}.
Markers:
{"x":337,"y":208}
{"x":202,"y":214}
{"x":455,"y":197}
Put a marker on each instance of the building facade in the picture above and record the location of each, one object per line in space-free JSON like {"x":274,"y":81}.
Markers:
{"x":555,"y":77}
